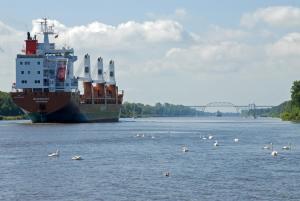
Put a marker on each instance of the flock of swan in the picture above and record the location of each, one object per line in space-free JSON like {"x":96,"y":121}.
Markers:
{"x":57,"y":153}
{"x":274,"y":152}
{"x":210,"y":137}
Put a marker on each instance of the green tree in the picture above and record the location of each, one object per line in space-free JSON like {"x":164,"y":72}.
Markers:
{"x":295,"y":93}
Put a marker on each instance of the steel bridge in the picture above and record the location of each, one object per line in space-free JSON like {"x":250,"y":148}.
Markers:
{"x":252,"y":107}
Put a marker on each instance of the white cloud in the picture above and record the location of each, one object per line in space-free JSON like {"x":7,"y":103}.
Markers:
{"x":126,"y":35}
{"x":286,"y":47}
{"x":160,"y":52}
{"x":279,"y":16}
{"x":220,"y":57}
{"x":180,"y":13}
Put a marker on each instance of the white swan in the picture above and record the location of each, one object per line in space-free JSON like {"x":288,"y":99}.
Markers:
{"x":273,"y":153}
{"x":77,"y":157}
{"x":185,"y":149}
{"x":289,"y":147}
{"x":268,"y":146}
{"x":167,"y":174}
{"x":236,"y":140}
{"x":54,"y":154}
{"x":216,"y":143}
{"x":210,"y":137}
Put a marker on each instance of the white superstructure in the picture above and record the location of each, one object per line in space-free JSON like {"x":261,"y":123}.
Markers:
{"x":44,"y":68}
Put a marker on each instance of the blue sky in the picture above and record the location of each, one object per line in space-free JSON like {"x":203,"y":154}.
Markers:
{"x":189,"y":52}
{"x":226,"y":13}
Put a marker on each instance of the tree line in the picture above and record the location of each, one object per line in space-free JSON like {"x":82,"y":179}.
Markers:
{"x":8,"y":108}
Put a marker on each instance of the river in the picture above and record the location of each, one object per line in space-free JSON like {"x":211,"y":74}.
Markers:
{"x":119,"y":165}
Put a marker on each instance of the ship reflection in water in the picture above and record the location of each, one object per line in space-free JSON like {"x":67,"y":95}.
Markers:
{"x":119,"y":165}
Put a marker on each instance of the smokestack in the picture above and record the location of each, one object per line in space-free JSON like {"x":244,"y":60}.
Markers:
{"x":87,"y":67}
{"x":100,"y":78}
{"x":111,"y":73}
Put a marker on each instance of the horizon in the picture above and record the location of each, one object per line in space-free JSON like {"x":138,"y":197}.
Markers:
{"x":189,"y":53}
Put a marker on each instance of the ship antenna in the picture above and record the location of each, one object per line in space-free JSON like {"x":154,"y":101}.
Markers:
{"x":46,"y":30}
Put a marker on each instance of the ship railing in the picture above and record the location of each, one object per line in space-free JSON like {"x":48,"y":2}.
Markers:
{"x":107,"y":100}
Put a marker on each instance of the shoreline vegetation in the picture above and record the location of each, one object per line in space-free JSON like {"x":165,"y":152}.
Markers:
{"x":287,"y":111}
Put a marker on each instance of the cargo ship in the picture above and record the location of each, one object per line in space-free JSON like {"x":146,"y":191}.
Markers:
{"x":46,"y":88}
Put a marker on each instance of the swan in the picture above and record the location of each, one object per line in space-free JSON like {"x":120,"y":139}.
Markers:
{"x":77,"y":157}
{"x":210,"y":137}
{"x":268,"y":146}
{"x":216,"y":143}
{"x":204,"y":138}
{"x":185,"y":149}
{"x":56,"y":153}
{"x":273,"y":153}
{"x":167,"y":174}
{"x":236,"y":140}
{"x":289,"y":147}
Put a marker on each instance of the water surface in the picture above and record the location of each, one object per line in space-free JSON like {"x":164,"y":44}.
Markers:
{"x":118,"y":165}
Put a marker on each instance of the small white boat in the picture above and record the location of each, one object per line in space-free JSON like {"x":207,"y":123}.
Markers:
{"x":236,"y":140}
{"x":185,"y":149}
{"x":54,"y":154}
{"x":77,"y":157}
{"x":216,"y":143}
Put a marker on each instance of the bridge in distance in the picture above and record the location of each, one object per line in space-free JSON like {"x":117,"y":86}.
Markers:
{"x":223,"y":104}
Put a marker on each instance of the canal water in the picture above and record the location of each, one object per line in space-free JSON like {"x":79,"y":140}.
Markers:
{"x":128,"y":160}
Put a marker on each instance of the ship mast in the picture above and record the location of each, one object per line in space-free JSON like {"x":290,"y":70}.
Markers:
{"x":46,"y":30}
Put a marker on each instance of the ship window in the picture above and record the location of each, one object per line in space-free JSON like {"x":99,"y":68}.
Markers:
{"x":27,"y":63}
{"x":100,"y":72}
{"x":86,"y":69}
{"x":37,"y":81}
{"x":28,"y":72}
{"x":38,"y":72}
{"x":22,"y":72}
{"x":111,"y":74}
{"x":38,"y":63}
{"x":21,"y":62}
{"x":24,"y":81}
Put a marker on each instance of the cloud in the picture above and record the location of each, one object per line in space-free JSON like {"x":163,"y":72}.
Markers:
{"x":286,"y":47}
{"x":277,"y":16}
{"x":126,"y":35}
{"x":163,"y":52}
{"x":219,"y":57}
{"x":178,"y":14}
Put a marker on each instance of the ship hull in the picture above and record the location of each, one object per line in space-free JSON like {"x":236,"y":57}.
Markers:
{"x":78,"y":114}
{"x":67,"y":110}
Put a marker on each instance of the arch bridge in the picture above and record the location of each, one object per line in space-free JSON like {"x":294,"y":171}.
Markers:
{"x":225,"y":104}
